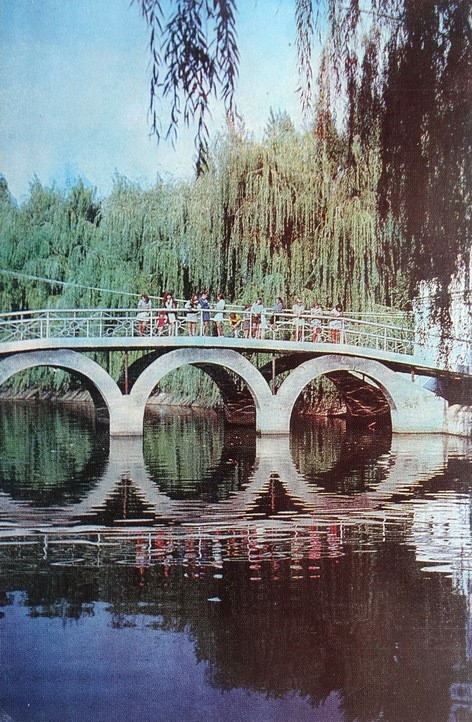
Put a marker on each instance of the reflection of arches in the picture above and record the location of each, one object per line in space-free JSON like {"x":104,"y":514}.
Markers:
{"x":405,"y":398}
{"x":203,"y":358}
{"x":219,"y":463}
{"x":125,"y":461}
{"x":340,"y":459}
{"x":97,"y":381}
{"x":415,"y":458}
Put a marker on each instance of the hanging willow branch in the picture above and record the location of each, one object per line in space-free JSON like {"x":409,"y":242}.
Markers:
{"x":194,"y":57}
{"x":304,"y":23}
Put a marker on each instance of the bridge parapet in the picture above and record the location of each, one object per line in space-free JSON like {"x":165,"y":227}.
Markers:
{"x":123,"y":324}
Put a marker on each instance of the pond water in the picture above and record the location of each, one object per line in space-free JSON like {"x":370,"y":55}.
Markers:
{"x":203,"y":574}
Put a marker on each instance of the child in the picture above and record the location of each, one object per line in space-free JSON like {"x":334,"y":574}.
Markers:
{"x":161,"y":323}
{"x":235,"y":321}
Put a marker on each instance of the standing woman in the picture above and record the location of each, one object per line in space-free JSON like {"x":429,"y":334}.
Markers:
{"x":298,"y":310}
{"x":316,"y":313}
{"x":247,"y":320}
{"x":192,"y":315}
{"x":257,"y":309}
{"x":169,"y":303}
{"x":278,"y":308}
{"x":219,"y":316}
{"x":336,"y":323}
{"x":144,"y":311}
{"x":204,"y":305}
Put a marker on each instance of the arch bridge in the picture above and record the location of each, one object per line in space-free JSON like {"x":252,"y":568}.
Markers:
{"x":379,"y":368}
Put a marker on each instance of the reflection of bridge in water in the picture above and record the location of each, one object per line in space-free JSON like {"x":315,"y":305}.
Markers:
{"x":310,"y":523}
{"x":375,"y":367}
{"x":412,"y":459}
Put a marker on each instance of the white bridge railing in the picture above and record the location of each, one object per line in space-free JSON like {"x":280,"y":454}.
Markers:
{"x":283,"y":326}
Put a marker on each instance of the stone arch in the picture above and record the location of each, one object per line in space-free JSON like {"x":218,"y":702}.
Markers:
{"x":364,"y":401}
{"x":412,"y":408}
{"x":202,"y":357}
{"x":103,"y":389}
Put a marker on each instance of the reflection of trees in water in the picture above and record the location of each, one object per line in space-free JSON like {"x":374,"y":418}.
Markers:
{"x":338,"y":458}
{"x":192,"y":455}
{"x":363,"y":627}
{"x":49,"y":454}
{"x":370,"y":627}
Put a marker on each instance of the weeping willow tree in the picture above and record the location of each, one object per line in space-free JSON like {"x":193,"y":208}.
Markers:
{"x":281,"y":217}
{"x":275,"y":217}
{"x":411,"y":81}
{"x":371,"y":198}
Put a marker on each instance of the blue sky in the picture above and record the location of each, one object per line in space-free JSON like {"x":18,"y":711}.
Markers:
{"x":74,"y":90}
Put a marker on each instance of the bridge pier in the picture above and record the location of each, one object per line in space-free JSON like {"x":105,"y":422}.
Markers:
{"x":273,"y":418}
{"x":126,"y":417}
{"x":419,"y":414}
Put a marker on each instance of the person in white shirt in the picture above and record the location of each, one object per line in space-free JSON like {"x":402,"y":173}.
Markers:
{"x":257,"y":309}
{"x":336,"y":323}
{"x":144,"y":312}
{"x":298,"y":309}
{"x":219,"y":316}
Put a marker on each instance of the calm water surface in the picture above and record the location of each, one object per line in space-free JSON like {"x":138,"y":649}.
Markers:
{"x":204,"y":574}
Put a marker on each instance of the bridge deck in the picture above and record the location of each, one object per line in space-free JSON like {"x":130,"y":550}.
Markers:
{"x":399,"y":362}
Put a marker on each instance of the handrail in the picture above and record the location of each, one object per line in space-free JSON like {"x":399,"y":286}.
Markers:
{"x":281,"y":325}
{"x":57,"y":314}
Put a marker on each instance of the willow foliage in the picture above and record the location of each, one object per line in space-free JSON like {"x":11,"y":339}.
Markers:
{"x":293,"y":214}
{"x":402,"y":67}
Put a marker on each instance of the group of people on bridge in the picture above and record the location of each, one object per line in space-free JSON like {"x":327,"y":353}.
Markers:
{"x":198,"y":317}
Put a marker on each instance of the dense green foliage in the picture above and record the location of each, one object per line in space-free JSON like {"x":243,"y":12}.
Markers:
{"x":265,"y":218}
{"x":283,"y":216}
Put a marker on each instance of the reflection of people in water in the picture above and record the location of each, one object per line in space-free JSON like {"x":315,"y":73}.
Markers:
{"x":285,"y":642}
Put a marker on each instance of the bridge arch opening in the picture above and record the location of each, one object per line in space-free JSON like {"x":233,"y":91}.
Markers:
{"x":356,"y":397}
{"x":209,"y":386}
{"x":367,"y":388}
{"x":101,"y":388}
{"x":229,"y":370}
